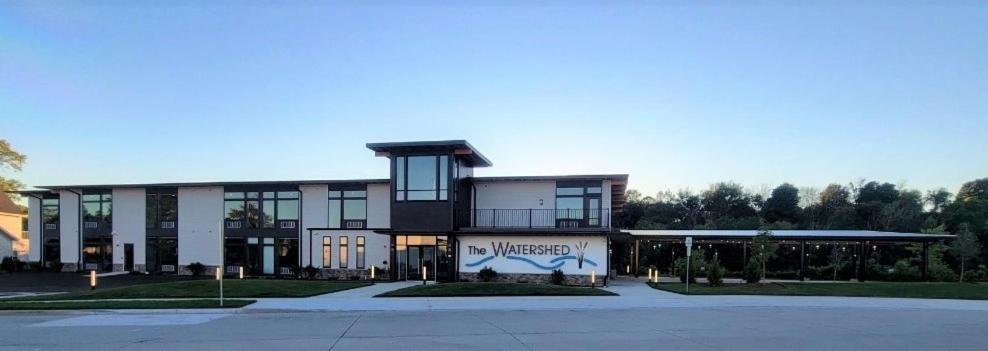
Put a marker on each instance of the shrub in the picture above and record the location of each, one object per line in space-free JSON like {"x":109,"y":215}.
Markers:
{"x":56,"y":265}
{"x":557,"y":277}
{"x":310,"y":272}
{"x":196,"y":268}
{"x":903,"y":271}
{"x":487,"y":274}
{"x":355,"y":277}
{"x":9,"y":264}
{"x":36,"y":266}
{"x":715,"y":273}
{"x":976,"y":275}
{"x":753,"y":271}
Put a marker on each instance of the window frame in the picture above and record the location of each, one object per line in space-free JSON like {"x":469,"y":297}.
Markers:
{"x":327,"y":252}
{"x":344,"y":245}
{"x":361,"y":252}
{"x":340,"y":195}
{"x":104,"y":216}
{"x":442,"y":176}
{"x":263,"y":199}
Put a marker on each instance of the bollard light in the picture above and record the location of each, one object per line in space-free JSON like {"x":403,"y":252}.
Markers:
{"x":424,"y":269}
{"x":372,"y":272}
{"x":629,"y":269}
{"x":593,"y":277}
{"x":92,"y":279}
{"x":219,"y":273}
{"x":241,"y":272}
{"x":649,"y":274}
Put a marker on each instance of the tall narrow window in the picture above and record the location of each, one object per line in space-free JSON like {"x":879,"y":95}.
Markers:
{"x":344,"y":251}
{"x":400,"y":178}
{"x":49,"y":213}
{"x":443,"y":177}
{"x":161,"y":209}
{"x":360,"y":252}
{"x":327,"y":252}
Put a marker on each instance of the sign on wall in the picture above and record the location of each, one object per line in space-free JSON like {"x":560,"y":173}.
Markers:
{"x":577,"y":255}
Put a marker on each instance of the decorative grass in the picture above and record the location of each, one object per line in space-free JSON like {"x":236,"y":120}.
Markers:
{"x":967,"y":291}
{"x":208,"y":289}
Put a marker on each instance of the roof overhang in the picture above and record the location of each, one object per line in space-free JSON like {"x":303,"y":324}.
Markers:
{"x":206,"y":184}
{"x":619,"y":184}
{"x":460,"y":148}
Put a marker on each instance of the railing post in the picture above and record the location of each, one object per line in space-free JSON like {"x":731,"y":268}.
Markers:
{"x":529,"y":218}
{"x":494,"y":218}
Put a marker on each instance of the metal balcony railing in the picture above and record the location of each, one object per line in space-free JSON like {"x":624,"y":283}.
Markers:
{"x":540,"y":218}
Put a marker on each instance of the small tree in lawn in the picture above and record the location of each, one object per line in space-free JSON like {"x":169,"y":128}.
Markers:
{"x":762,"y":248}
{"x":965,"y":247}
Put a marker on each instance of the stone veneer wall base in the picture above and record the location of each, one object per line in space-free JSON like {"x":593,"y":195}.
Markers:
{"x":581,"y":280}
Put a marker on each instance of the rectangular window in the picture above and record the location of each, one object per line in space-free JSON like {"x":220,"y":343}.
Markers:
{"x":400,"y":181}
{"x":97,"y":211}
{"x":335,"y":213}
{"x":287,"y":210}
{"x":422,"y":178}
{"x":360,"y":252}
{"x":327,"y":252}
{"x":344,"y":251}
{"x":348,"y":208}
{"x":267,"y":213}
{"x":151,"y":211}
{"x":443,"y":177}
{"x":49,"y":213}
{"x":161,"y":209}
{"x":422,"y":182}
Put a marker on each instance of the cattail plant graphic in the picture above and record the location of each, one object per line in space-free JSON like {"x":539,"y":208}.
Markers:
{"x":581,"y":248}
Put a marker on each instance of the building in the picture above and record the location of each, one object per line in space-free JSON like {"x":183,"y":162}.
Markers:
{"x":430,"y":217}
{"x":13,"y":241}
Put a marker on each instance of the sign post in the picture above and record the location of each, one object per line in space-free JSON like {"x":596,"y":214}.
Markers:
{"x":219,"y":270}
{"x":689,"y":252}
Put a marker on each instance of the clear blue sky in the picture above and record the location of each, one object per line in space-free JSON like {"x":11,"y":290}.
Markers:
{"x":675,"y":94}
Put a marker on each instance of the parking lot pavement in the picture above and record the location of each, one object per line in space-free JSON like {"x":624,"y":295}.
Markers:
{"x":695,"y":328}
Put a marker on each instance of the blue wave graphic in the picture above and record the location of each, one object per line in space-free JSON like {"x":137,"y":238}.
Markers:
{"x":481,"y":261}
{"x":536,"y":264}
{"x":571,"y":257}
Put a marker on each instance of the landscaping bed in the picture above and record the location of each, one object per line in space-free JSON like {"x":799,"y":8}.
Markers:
{"x":208,"y":289}
{"x":494,"y":289}
{"x":118,"y":304}
{"x":969,"y":291}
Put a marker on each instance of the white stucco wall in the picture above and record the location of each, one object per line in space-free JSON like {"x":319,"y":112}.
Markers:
{"x":200,"y":216}
{"x":516,"y":195}
{"x":378,"y":206}
{"x":377,"y":248}
{"x":128,"y":223}
{"x":315,"y":214}
{"x":563,"y":249}
{"x":6,"y":246}
{"x":68,"y":223}
{"x":34,"y":228}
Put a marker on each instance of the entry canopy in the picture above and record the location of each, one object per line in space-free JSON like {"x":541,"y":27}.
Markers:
{"x":821,"y":235}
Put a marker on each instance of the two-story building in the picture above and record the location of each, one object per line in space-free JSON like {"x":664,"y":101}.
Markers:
{"x":430,"y":217}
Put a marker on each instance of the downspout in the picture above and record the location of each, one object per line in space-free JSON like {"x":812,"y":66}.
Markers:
{"x":78,"y":266}
{"x":301,"y":210}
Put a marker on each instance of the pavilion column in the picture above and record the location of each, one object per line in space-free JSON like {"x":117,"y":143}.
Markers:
{"x":863,"y":249}
{"x":802,"y":260}
{"x":637,"y":244}
{"x":926,"y":261}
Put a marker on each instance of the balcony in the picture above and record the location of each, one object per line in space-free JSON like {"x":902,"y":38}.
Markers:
{"x":539,"y":218}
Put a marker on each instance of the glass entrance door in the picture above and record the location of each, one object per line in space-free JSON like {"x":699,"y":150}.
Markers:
{"x":419,"y":258}
{"x":413,"y":252}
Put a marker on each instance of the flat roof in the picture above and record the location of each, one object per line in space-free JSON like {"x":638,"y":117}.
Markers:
{"x":787,"y":234}
{"x":201,"y":184}
{"x":459,"y":147}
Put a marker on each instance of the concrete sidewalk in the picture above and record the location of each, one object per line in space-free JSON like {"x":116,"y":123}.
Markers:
{"x":633,"y":294}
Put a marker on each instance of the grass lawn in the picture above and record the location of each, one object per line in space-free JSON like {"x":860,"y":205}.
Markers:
{"x":494,"y":289}
{"x":969,"y":291}
{"x":208,"y":289}
{"x":132,"y":304}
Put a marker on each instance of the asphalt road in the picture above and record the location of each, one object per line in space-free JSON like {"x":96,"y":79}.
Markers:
{"x":696,"y":328}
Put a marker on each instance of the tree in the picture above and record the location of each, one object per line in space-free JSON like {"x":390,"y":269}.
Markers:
{"x":727,"y":200}
{"x":10,"y":158}
{"x":835,"y":196}
{"x":762,"y":249}
{"x":871,"y":200}
{"x":782,"y":205}
{"x":938,"y":199}
{"x":974,"y":190}
{"x":965,"y":247}
{"x":690,"y":207}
